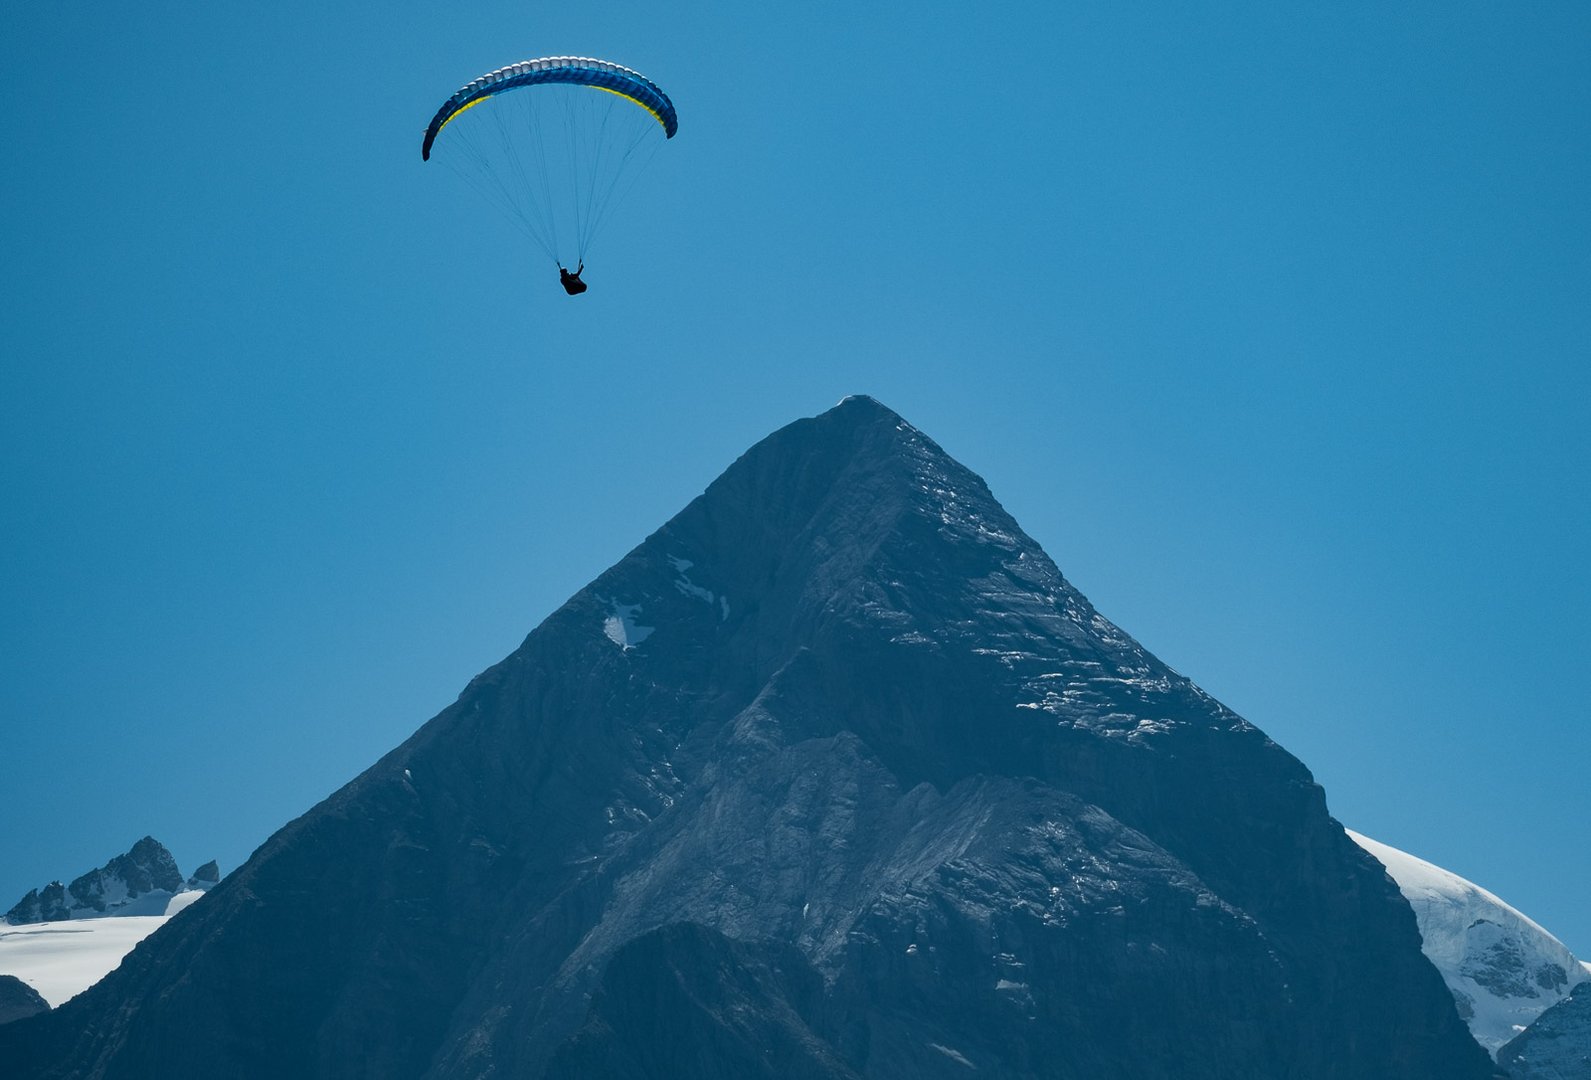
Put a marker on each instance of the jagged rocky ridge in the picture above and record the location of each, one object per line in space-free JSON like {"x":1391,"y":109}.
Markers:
{"x":835,"y":775}
{"x":146,"y":872}
{"x":61,"y":939}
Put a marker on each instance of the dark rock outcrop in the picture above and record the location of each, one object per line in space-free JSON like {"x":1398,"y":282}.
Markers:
{"x":206,"y":876}
{"x":1557,"y":1046}
{"x":684,"y":1000}
{"x":18,"y":1000}
{"x":833,"y":776}
{"x":48,"y":904}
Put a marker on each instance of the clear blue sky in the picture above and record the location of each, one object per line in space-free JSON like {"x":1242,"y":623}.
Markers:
{"x":1271,"y":321}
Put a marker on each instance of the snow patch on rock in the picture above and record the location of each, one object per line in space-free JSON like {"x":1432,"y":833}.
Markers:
{"x":622,"y":629}
{"x":953,"y":1055}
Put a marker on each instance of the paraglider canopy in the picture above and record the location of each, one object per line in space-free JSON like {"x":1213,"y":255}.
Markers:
{"x":574,"y":70}
{"x":555,"y":141}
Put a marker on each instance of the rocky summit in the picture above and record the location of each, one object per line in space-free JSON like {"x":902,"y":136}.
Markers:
{"x":835,"y":775}
{"x":145,"y":872}
{"x":205,"y":877}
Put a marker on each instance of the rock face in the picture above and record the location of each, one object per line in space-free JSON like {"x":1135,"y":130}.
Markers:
{"x":18,"y":999}
{"x":833,"y":776}
{"x":1557,"y":1046}
{"x":113,"y":889}
{"x":684,"y":998}
{"x":1504,"y":970}
{"x":41,"y":905}
{"x":205,"y":877}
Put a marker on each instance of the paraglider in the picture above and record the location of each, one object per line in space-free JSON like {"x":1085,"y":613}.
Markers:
{"x":555,"y":142}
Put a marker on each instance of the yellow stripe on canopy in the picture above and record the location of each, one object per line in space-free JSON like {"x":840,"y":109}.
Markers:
{"x":627,"y":97}
{"x":465,"y":109}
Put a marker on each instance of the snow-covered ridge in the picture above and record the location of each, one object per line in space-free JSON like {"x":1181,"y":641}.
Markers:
{"x":62,"y":939}
{"x":1503,"y":968}
{"x":62,"y":959}
{"x":140,"y":882}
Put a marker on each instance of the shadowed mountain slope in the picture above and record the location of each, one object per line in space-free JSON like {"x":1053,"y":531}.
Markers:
{"x":833,"y":776}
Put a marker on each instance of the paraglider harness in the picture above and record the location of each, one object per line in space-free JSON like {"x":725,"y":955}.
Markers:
{"x":571,"y":282}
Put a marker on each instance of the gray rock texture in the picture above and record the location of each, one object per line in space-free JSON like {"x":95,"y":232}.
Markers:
{"x":835,"y":775}
{"x":1557,"y":1046}
{"x":18,"y":1000}
{"x":205,"y":877}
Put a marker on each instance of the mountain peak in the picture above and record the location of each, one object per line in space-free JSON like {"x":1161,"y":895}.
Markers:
{"x":864,"y":401}
{"x":137,"y":882}
{"x":853,"y":530}
{"x":840,"y":481}
{"x":842,"y":716}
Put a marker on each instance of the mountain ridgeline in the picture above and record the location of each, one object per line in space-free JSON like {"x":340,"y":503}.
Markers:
{"x":1504,"y":970}
{"x":141,"y":881}
{"x":835,"y":775}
